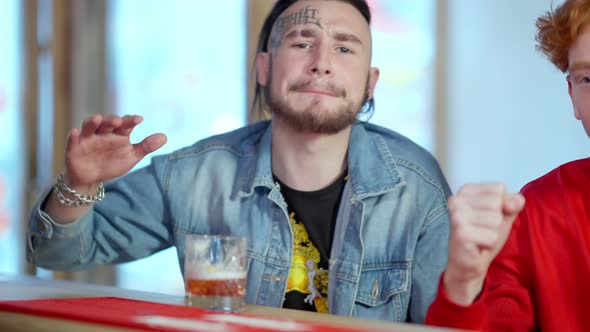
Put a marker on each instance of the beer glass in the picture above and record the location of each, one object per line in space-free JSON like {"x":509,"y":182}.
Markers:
{"x":215,"y":271}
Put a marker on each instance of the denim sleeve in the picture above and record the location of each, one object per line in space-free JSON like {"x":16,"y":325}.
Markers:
{"x":131,"y":222}
{"x":429,"y":261}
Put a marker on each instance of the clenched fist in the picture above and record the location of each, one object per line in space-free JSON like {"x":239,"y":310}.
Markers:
{"x":481,"y":220}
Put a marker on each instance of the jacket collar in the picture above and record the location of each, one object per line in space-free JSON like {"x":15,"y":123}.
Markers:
{"x":372,"y":168}
{"x":371,"y":165}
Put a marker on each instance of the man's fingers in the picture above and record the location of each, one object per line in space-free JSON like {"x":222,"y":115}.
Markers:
{"x":482,"y":204}
{"x":482,"y":195}
{"x":149,"y":145}
{"x":480,"y":237}
{"x":109,"y":124}
{"x":482,"y":188}
{"x":90,"y":124}
{"x":73,"y":139}
{"x":481,"y":209}
{"x":464,"y":215}
{"x":512,"y":205}
{"x":128,"y":123}
{"x":485,"y":203}
{"x":484,"y":218}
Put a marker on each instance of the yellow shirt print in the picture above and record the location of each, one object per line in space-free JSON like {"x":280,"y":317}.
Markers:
{"x":304,"y":276}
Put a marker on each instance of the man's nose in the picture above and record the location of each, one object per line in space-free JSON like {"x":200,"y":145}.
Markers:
{"x":321,"y":64}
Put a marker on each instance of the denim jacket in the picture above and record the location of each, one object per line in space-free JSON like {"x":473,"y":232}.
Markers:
{"x":390,"y":242}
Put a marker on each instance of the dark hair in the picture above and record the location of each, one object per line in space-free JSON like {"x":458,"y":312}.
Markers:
{"x":276,"y":11}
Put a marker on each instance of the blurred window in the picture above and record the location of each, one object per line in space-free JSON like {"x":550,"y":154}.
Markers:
{"x":180,"y":64}
{"x":404,"y":49}
{"x":12,"y":150}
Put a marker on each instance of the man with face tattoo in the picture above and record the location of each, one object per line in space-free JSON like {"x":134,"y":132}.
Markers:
{"x":341,"y":216}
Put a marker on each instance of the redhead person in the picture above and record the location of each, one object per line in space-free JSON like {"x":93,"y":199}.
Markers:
{"x":531,"y":273}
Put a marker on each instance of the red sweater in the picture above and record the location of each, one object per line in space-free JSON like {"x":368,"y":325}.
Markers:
{"x":541,"y":278}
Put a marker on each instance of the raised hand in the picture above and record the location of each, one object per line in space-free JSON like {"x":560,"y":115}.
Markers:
{"x":481,"y":220}
{"x":101,"y":150}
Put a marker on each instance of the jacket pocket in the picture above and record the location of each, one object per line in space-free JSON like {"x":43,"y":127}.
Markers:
{"x":383,"y":293}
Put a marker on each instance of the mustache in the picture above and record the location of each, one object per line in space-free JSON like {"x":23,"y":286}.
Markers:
{"x":317,"y":85}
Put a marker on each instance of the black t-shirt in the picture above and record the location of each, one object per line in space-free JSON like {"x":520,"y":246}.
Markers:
{"x":313,"y":218}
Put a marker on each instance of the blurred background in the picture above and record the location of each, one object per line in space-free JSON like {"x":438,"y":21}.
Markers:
{"x":462,"y":78}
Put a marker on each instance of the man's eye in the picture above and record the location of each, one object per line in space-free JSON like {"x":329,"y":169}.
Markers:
{"x":344,"y":50}
{"x":581,"y":78}
{"x":302,"y":45}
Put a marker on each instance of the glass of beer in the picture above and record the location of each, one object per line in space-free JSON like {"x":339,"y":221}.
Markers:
{"x":215,"y":270}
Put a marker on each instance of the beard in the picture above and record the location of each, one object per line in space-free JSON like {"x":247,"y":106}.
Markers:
{"x":316,"y":117}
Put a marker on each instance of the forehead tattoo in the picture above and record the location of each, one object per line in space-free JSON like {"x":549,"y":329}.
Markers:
{"x":303,"y":16}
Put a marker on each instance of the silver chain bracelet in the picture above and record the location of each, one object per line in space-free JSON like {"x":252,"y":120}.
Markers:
{"x":80,"y":199}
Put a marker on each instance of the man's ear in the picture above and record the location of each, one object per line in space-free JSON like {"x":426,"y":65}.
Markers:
{"x":572,"y":98}
{"x":263,"y":68}
{"x":373,"y":78}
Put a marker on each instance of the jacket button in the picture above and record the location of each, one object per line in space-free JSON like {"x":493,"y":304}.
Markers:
{"x":375,"y":291}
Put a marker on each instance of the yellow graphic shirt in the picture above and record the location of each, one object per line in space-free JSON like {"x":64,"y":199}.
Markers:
{"x":304,"y":276}
{"x":312,"y":217}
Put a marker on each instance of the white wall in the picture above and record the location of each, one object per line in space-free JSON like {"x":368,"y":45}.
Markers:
{"x":509,"y":115}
